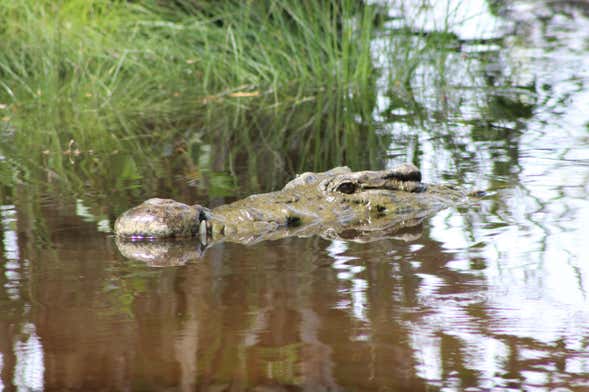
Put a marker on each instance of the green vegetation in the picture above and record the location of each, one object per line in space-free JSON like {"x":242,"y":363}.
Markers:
{"x":93,"y":76}
{"x":117,"y":58}
{"x":129,"y":66}
{"x":114,"y":101}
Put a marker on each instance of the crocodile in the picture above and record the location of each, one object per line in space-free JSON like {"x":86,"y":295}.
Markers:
{"x":367,"y":203}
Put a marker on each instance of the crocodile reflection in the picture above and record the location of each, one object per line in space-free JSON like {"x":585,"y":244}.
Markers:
{"x":361,"y":206}
{"x":179,"y":251}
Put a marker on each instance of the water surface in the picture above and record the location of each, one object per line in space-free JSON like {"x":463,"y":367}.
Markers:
{"x":492,"y":296}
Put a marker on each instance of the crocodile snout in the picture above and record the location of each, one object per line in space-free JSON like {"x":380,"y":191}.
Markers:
{"x":159,"y":218}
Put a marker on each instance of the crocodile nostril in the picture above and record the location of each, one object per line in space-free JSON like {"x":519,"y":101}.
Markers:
{"x":347,"y":188}
{"x":293,"y":221}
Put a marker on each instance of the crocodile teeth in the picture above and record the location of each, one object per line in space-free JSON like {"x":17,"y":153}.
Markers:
{"x":203,"y":231}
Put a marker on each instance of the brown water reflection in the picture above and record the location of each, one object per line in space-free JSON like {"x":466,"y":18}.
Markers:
{"x":274,"y":314}
{"x":294,"y":314}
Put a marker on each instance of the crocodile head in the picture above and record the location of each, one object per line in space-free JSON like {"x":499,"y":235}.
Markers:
{"x":338,"y":199}
{"x":312,"y":203}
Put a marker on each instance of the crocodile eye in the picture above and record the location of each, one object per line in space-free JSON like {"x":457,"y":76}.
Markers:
{"x":347,"y":188}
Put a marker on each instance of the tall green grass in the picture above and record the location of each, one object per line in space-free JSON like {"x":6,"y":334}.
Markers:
{"x":116,"y":59}
{"x":83,"y":80}
{"x":97,"y":93}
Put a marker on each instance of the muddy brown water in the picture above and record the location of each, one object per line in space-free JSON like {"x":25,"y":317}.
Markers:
{"x":405,"y":314}
{"x":491,"y":296}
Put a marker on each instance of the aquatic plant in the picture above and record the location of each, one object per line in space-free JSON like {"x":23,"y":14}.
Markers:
{"x":131,"y":67}
{"x":102,"y":95}
{"x":105,"y":98}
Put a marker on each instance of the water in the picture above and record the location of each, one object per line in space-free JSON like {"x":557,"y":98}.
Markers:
{"x":492,"y":296}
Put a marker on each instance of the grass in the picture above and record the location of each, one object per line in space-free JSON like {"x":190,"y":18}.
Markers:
{"x":115,"y":59}
{"x":110,"y":97}
{"x":82,"y":80}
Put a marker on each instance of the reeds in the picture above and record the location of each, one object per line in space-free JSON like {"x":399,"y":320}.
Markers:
{"x":82,"y":80}
{"x":115,"y":58}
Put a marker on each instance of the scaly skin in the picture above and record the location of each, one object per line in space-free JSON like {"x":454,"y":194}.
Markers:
{"x":311,"y":204}
{"x":158,"y":218}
